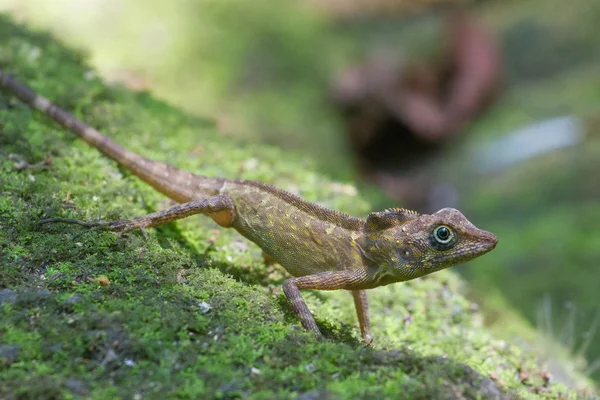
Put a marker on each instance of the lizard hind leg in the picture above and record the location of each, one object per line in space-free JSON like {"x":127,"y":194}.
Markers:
{"x":220,"y":208}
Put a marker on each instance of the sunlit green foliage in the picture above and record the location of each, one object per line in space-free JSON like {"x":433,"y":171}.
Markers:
{"x":173,"y":322}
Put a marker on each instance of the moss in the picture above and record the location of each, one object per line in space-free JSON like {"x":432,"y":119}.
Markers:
{"x":548,"y":271}
{"x":87,"y":313}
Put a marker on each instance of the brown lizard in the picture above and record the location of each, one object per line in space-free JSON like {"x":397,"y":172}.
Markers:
{"x":323,"y":249}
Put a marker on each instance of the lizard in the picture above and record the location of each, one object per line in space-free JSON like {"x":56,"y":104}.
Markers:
{"x":321,"y":248}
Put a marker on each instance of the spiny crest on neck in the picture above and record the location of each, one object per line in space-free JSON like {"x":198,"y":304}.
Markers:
{"x":388,"y":218}
{"x":401,"y":211}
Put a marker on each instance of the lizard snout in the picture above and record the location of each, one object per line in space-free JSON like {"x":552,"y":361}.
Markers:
{"x":489,"y":239}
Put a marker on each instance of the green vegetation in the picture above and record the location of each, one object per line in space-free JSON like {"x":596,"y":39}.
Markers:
{"x":193,"y":311}
{"x":258,"y":68}
{"x":546,"y":210}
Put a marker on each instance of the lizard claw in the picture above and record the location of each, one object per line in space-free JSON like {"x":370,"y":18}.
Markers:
{"x":123,"y":231}
{"x":124,"y":227}
{"x":143,"y":230}
{"x":367,"y":341}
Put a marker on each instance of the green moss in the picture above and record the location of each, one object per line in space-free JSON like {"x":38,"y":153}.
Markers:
{"x":173,"y":322}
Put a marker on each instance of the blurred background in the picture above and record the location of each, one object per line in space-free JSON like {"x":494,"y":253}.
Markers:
{"x":490,"y":106}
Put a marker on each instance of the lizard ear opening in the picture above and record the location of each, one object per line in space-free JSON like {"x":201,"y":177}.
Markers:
{"x":382,"y":220}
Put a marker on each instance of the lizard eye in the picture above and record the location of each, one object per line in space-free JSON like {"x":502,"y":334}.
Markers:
{"x":443,"y":236}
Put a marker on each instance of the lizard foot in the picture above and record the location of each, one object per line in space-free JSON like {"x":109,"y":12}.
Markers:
{"x":367,"y":341}
{"x":71,"y":221}
{"x":121,"y":227}
{"x":91,"y":225}
{"x":125,"y":226}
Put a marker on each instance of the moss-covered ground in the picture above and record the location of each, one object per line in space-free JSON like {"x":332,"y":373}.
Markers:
{"x":193,"y":312}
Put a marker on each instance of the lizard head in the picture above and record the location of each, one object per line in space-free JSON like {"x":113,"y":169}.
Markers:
{"x":406,"y":245}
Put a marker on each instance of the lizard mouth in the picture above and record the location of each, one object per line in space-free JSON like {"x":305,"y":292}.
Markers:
{"x":491,"y":240}
{"x":485,"y":240}
{"x":487,"y":243}
{"x":484,"y":243}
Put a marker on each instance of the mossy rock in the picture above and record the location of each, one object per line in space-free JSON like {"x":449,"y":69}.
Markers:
{"x":193,"y":312}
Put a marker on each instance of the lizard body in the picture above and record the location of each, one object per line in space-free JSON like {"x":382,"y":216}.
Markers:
{"x":323,"y":249}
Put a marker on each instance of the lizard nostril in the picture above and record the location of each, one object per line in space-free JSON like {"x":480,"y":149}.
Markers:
{"x":491,"y":239}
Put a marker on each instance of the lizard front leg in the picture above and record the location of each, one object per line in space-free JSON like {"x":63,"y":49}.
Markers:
{"x":220,"y":208}
{"x":362,"y":312}
{"x":330,"y":280}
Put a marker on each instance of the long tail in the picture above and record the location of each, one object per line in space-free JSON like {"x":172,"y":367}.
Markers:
{"x":164,"y":178}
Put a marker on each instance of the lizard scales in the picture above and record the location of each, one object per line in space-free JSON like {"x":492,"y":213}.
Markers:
{"x":323,"y":249}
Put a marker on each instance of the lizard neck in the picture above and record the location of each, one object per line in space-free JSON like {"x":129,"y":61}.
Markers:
{"x":385,"y":261}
